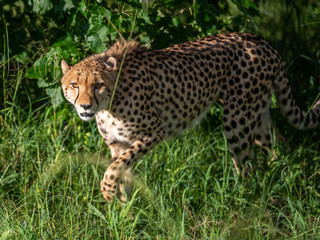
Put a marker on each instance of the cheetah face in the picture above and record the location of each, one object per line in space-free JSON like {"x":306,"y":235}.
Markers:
{"x":89,"y":85}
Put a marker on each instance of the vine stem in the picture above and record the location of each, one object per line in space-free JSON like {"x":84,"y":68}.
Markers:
{"x":118,"y":76}
{"x":123,"y":57}
{"x":4,"y":65}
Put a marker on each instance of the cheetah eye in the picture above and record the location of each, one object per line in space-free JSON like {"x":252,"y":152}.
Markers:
{"x":75,"y":85}
{"x":98,"y":85}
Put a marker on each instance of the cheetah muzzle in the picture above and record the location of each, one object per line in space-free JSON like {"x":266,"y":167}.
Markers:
{"x":162,"y":92}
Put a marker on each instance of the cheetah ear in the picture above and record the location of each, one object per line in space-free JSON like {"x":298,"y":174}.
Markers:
{"x":111,"y":64}
{"x":65,"y":66}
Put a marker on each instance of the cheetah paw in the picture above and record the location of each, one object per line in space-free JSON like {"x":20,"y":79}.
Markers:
{"x":111,"y":185}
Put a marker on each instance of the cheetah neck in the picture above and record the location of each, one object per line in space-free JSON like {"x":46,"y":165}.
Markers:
{"x":118,"y":49}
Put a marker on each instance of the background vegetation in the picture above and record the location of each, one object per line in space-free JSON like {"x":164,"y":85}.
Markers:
{"x":51,"y":162}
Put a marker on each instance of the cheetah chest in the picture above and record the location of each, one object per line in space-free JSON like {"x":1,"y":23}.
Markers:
{"x":110,"y":128}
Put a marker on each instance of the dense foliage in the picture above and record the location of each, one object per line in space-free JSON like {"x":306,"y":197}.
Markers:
{"x":51,"y":30}
{"x":51,"y":162}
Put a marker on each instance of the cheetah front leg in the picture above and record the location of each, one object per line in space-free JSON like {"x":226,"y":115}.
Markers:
{"x":115,"y":174}
{"x":117,"y":149}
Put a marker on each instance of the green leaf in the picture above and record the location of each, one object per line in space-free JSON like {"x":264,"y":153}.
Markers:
{"x":82,"y":7}
{"x":105,"y":12}
{"x":103,"y":34}
{"x":133,"y":3}
{"x":64,"y":42}
{"x":41,"y":6}
{"x":247,"y":7}
{"x":38,"y":69}
{"x":55,"y":95}
{"x":248,"y":4}
{"x":94,"y":42}
{"x":42,"y":83}
{"x":22,"y":57}
{"x":68,"y":5}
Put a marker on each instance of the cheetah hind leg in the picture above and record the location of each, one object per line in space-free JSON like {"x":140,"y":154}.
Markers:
{"x":240,"y":147}
{"x":241,"y":162}
{"x":266,"y":135}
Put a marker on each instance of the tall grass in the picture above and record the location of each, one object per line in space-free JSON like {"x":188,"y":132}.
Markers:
{"x":186,"y":188}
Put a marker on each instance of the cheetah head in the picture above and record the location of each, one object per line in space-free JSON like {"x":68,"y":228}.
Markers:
{"x":88,"y":85}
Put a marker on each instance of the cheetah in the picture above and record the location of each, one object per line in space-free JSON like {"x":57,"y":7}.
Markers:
{"x":159,"y":93}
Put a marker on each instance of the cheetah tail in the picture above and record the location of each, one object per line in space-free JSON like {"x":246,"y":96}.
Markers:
{"x":297,"y":117}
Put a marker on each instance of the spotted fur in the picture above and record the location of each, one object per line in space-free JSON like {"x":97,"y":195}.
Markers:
{"x":162,"y":92}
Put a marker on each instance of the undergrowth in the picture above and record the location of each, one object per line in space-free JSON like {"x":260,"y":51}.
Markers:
{"x":185,"y":188}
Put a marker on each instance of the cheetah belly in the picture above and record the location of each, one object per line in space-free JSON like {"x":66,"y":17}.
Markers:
{"x":199,"y":118}
{"x":175,"y":125}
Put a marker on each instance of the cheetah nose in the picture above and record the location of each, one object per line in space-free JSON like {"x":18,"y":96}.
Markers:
{"x":85,"y":106}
